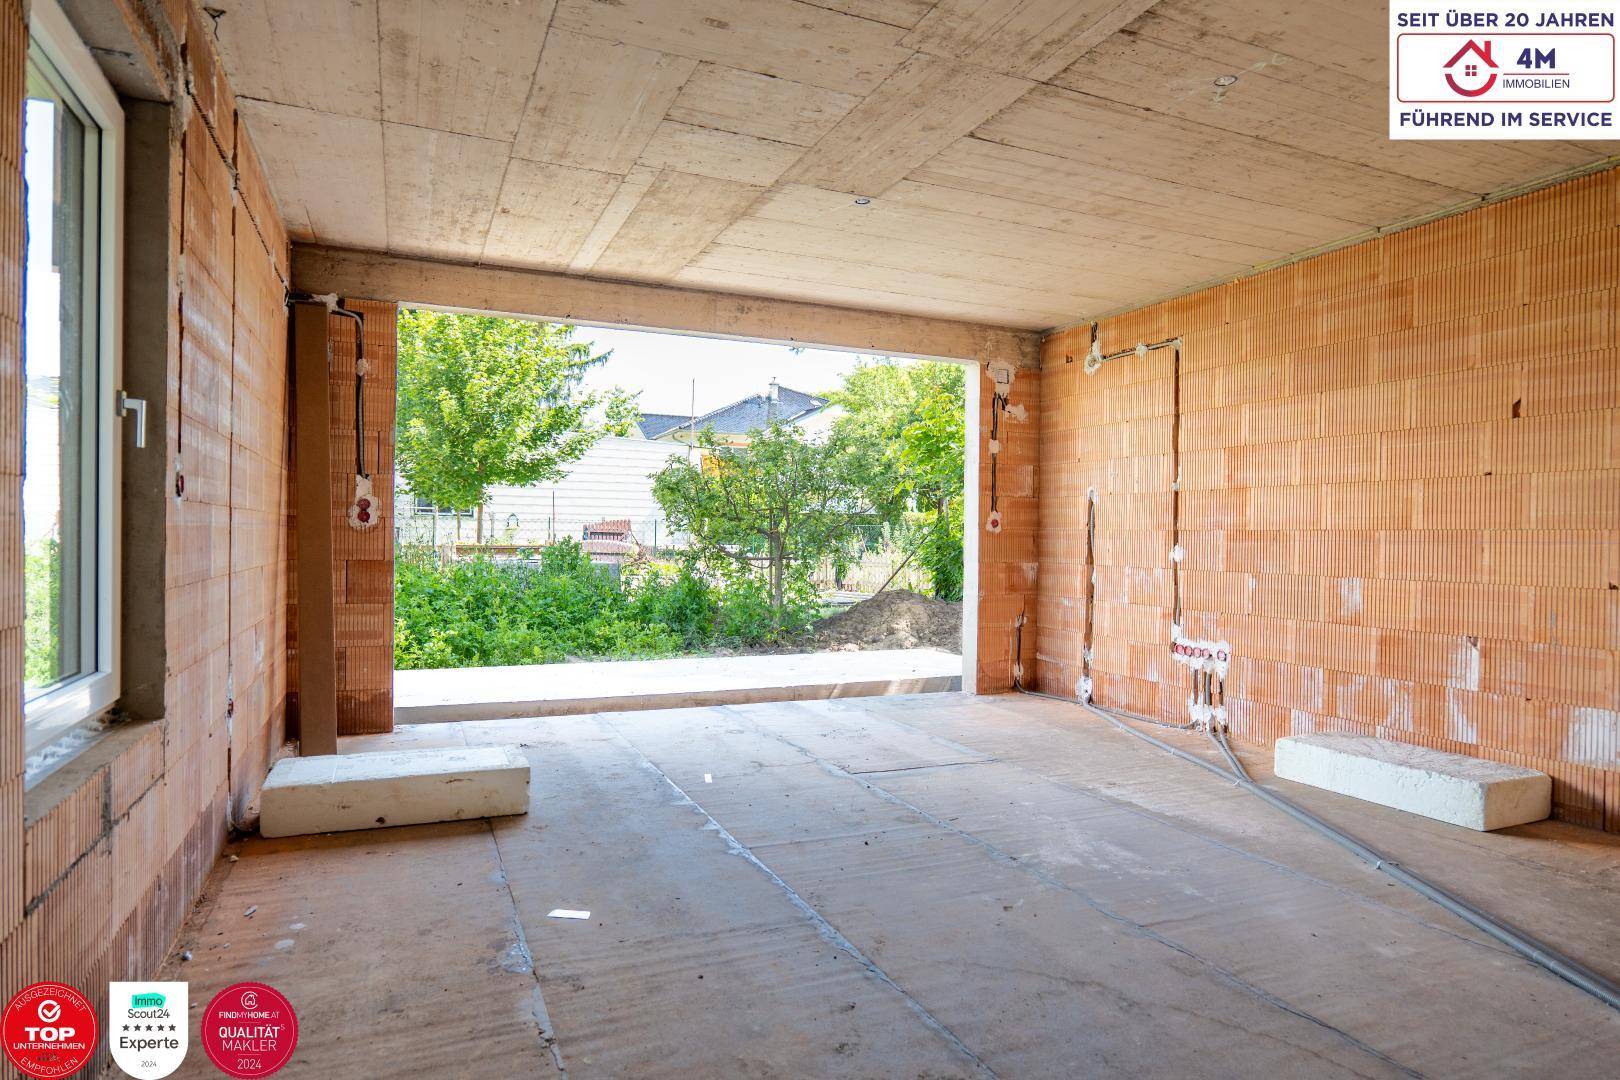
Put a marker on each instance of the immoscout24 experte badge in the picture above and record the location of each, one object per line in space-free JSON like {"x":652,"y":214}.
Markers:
{"x":147,"y":1027}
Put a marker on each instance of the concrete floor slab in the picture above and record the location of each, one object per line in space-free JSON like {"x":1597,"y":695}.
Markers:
{"x":399,"y":949}
{"x":933,"y":885}
{"x":498,"y":693}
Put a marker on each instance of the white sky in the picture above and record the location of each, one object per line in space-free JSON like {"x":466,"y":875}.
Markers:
{"x":663,"y":367}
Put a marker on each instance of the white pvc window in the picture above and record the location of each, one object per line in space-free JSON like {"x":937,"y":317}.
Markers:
{"x":72,"y":145}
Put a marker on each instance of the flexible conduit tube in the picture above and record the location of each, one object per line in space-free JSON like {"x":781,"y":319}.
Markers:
{"x":359,"y":384}
{"x":1537,"y":952}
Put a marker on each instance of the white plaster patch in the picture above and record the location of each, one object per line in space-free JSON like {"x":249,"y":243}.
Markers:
{"x":1349,"y":596}
{"x":1465,"y":665}
{"x":1400,"y":710}
{"x":1458,"y":727}
{"x":285,"y":943}
{"x":1199,"y":712}
{"x":1594,"y":737}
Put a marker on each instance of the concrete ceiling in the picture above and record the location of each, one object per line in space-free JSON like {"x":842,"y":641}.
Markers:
{"x":1027,"y":163}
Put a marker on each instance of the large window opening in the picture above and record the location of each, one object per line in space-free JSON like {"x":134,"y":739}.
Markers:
{"x":632,"y":495}
{"x":70,"y":125}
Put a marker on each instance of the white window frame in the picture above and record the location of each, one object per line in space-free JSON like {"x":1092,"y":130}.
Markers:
{"x":51,"y":714}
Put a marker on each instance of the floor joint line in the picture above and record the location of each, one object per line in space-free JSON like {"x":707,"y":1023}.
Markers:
{"x":1229,"y":977}
{"x":828,"y":932}
{"x":542,"y":1017}
{"x":1215,"y":842}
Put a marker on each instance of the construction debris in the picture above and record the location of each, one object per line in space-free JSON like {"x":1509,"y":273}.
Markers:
{"x":893,"y":620}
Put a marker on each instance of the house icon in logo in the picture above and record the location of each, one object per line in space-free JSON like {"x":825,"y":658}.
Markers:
{"x":1478,"y":69}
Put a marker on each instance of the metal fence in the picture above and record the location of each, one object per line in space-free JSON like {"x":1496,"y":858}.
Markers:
{"x":420,"y":527}
{"x":878,"y":550}
{"x":867,"y":574}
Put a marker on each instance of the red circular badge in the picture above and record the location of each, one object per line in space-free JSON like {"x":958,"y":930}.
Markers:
{"x":49,"y":1030}
{"x":249,"y":1029}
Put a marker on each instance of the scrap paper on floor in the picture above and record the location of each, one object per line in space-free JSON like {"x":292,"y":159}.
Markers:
{"x":567,"y":913}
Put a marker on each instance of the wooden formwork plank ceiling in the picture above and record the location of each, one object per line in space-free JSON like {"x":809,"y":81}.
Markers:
{"x":1019,"y":162}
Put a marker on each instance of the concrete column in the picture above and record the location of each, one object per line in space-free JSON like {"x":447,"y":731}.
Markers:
{"x":149,"y":348}
{"x":317,"y":629}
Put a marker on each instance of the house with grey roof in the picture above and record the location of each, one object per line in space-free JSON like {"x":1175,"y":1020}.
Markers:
{"x":655,"y":424}
{"x":734,"y":424}
{"x":606,"y":497}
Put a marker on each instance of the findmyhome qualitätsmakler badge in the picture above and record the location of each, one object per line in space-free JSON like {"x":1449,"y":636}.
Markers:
{"x":147,"y":1027}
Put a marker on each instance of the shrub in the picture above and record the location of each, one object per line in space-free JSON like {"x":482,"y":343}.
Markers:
{"x":746,"y":614}
{"x":42,"y":603}
{"x":557,"y":606}
{"x":941,"y":554}
{"x":477,"y":612}
{"x":680,"y":602}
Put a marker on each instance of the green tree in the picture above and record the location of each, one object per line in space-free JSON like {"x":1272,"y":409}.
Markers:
{"x":772,"y":508}
{"x":906,"y":422}
{"x":485,"y":400}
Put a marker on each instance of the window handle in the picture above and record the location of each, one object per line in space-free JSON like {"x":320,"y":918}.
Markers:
{"x":127,"y":405}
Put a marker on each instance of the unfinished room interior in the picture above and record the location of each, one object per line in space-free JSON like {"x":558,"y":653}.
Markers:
{"x":1288,"y":737}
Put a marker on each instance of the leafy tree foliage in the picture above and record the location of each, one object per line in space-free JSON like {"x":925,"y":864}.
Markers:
{"x":485,"y":400}
{"x":907,"y":425}
{"x":768,"y":511}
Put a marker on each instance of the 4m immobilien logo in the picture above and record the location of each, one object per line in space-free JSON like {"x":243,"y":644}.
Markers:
{"x":1502,"y":70}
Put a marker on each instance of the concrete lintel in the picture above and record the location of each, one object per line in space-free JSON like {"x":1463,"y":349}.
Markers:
{"x":132,"y":42}
{"x":1471,"y":792}
{"x":342,"y":792}
{"x":635,"y":305}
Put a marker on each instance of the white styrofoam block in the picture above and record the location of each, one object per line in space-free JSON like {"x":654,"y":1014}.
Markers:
{"x":1466,"y":791}
{"x":340,"y":792}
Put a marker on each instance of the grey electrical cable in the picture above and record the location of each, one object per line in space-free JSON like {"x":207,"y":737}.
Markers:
{"x":1537,"y":952}
{"x":359,"y":384}
{"x":1022,"y":689}
{"x":1231,"y":758}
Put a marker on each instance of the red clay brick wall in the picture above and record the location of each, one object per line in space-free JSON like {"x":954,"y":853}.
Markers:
{"x":363,"y":561}
{"x":260,"y":506}
{"x":1007,"y":560}
{"x":1400,"y":497}
{"x":16,"y":949}
{"x":116,"y":844}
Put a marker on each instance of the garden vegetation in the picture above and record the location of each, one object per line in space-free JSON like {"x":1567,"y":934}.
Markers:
{"x":487,"y":400}
{"x":555,"y":605}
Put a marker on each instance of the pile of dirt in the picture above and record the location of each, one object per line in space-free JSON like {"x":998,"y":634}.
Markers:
{"x":893,"y":620}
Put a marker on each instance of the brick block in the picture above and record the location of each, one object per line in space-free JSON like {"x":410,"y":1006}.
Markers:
{"x":369,"y":581}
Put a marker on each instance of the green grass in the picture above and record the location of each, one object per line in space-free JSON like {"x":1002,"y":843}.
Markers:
{"x":478,"y":612}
